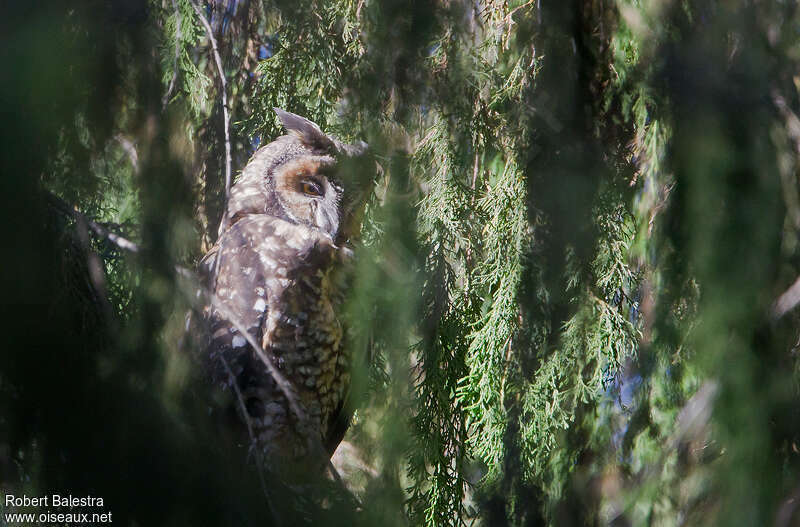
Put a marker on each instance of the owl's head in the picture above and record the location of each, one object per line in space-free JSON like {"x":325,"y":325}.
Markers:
{"x":307,"y":178}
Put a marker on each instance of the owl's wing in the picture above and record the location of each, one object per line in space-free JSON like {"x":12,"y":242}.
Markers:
{"x":254,"y":262}
{"x":236,"y":271}
{"x":340,"y":423}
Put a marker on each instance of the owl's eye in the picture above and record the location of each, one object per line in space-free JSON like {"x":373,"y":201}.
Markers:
{"x":312,"y":188}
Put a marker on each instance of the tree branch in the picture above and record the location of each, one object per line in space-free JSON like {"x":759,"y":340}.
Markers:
{"x":99,"y":230}
{"x":178,"y":36}
{"x":787,"y":301}
{"x":226,"y":118}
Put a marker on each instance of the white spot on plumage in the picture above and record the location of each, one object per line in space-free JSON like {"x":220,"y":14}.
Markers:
{"x":260,"y":305}
{"x":295,"y":242}
{"x":238,"y":341}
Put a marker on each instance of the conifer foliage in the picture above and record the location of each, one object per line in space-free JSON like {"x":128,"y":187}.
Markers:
{"x":576,"y":281}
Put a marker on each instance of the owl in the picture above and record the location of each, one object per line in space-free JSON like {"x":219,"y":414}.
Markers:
{"x":279,"y":270}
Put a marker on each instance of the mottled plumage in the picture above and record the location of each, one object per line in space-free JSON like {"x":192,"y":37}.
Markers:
{"x":279,"y":268}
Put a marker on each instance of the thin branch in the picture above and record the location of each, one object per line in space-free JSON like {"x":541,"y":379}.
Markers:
{"x":178,"y":36}
{"x":788,"y":174}
{"x":130,"y":149}
{"x":791,"y":297}
{"x":95,"y":269}
{"x":245,"y":414}
{"x":226,"y":118}
{"x":787,"y":301}
{"x":335,"y":474}
{"x":507,"y":18}
{"x":99,"y":230}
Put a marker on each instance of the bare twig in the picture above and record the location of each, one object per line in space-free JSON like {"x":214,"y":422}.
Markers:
{"x":99,"y":230}
{"x":178,"y":36}
{"x":130,"y":149}
{"x":335,"y":473}
{"x":791,"y":297}
{"x":507,"y":18}
{"x":243,"y":407}
{"x":792,"y":121}
{"x":789,"y":173}
{"x":475,"y":168}
{"x":226,"y":118}
{"x":787,"y":301}
{"x":358,"y":10}
{"x":95,"y":269}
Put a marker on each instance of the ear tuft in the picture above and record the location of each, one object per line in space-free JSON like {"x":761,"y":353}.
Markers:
{"x":308,"y":132}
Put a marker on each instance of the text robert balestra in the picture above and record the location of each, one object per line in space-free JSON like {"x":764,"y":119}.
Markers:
{"x":52,"y":500}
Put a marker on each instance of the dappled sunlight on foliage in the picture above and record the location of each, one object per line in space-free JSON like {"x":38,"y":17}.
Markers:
{"x":576,"y":279}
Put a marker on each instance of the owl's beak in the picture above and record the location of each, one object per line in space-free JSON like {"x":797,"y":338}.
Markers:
{"x":327,"y":219}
